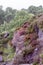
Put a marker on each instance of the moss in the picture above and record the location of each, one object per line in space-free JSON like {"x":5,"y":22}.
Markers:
{"x":29,"y":49}
{"x":35,"y":63}
{"x":26,"y":42}
{"x":41,"y":55}
{"x":8,"y":53}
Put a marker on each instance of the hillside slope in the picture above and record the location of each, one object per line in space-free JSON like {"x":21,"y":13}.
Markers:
{"x":25,"y":46}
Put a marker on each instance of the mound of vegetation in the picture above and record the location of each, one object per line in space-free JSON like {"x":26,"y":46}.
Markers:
{"x":21,"y":24}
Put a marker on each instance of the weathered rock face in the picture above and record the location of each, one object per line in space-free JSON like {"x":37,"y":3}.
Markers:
{"x":27,"y":46}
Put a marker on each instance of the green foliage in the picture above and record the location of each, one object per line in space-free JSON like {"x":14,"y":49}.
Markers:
{"x":35,"y":10}
{"x":19,"y":19}
{"x":9,"y":14}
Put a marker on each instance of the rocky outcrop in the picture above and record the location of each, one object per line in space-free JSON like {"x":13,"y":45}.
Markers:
{"x":27,"y":46}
